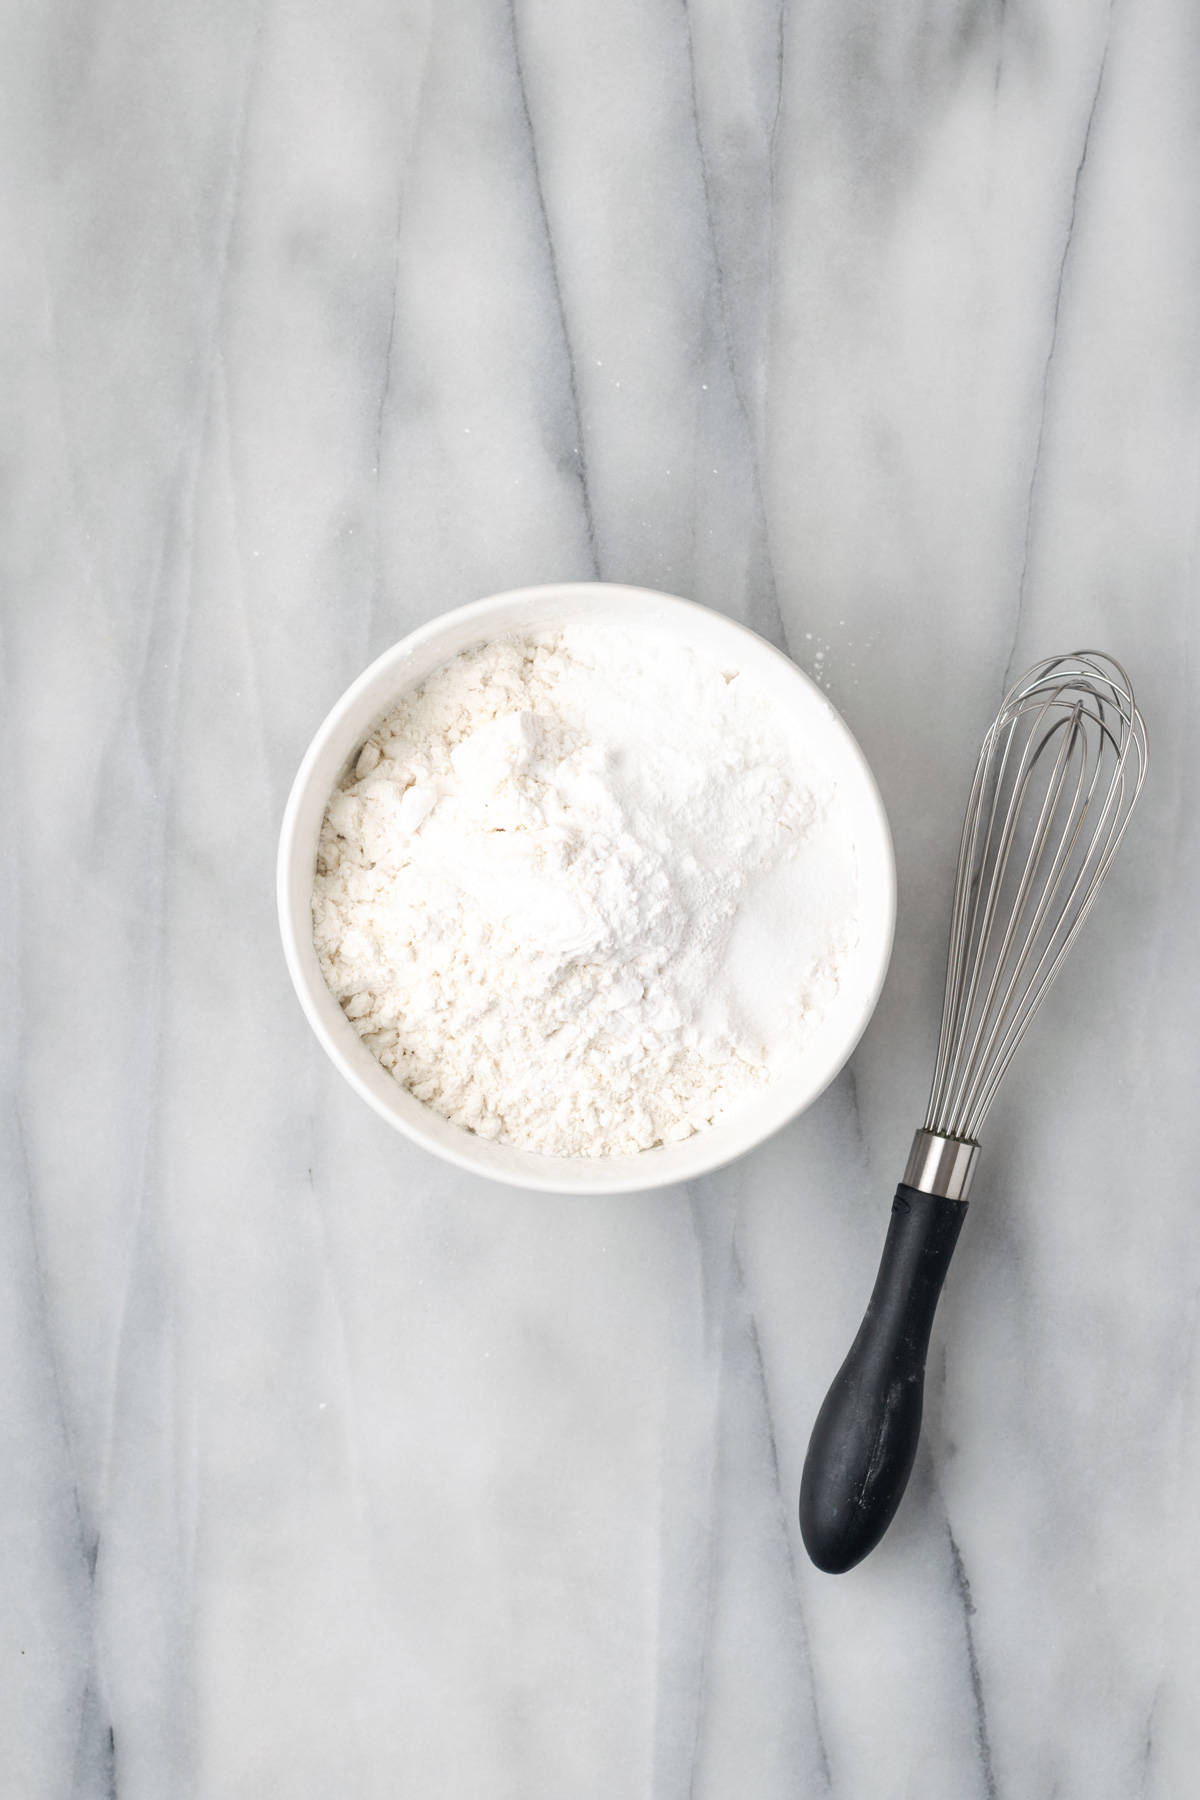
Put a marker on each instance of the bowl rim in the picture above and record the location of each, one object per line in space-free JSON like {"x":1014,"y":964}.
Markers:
{"x":588,"y":1176}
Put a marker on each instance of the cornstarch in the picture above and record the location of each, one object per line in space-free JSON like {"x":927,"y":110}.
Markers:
{"x":578,"y":895}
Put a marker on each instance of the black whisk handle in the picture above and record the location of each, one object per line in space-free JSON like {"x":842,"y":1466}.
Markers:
{"x":864,"y":1442}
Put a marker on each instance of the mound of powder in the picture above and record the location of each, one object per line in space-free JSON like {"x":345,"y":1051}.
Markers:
{"x":577,"y":895}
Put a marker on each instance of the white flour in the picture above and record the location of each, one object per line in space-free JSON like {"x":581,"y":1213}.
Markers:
{"x":577,"y":895}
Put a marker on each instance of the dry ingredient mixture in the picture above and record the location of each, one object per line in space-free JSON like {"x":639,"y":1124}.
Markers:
{"x":577,"y":895}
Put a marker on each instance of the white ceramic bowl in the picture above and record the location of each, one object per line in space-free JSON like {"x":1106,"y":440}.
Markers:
{"x":817,"y":729}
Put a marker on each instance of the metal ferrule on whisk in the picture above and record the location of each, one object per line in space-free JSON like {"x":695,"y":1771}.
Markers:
{"x":941,"y":1165}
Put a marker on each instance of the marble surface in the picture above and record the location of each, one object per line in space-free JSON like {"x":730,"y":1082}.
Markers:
{"x":327,"y":1470}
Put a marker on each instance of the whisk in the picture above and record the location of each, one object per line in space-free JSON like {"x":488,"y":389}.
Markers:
{"x":1057,"y":778}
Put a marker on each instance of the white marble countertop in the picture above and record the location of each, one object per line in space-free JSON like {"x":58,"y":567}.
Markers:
{"x":326,"y":1470}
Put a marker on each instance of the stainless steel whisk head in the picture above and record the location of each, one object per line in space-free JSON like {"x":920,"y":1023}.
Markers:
{"x":1058,"y":774}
